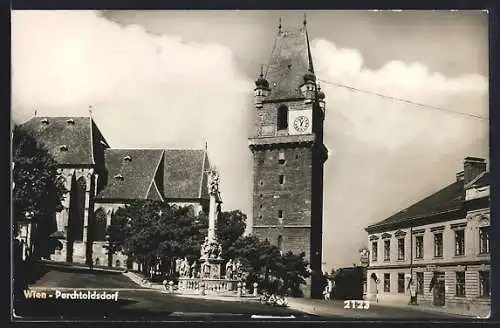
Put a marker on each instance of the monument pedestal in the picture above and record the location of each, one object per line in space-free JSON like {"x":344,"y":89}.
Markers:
{"x":211,"y":268}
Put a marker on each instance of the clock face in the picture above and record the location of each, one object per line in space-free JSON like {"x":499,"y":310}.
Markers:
{"x":301,"y":123}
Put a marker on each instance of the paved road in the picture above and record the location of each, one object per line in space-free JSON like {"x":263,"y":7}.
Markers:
{"x":136,"y":303}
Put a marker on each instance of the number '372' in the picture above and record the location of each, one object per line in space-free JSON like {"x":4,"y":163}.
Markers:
{"x":365,"y":305}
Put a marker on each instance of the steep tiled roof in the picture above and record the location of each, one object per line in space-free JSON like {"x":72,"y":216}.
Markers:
{"x":449,"y":198}
{"x":185,"y":173}
{"x":68,"y":139}
{"x":131,"y":174}
{"x":290,"y":61}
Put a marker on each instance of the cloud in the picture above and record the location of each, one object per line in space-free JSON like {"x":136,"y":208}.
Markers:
{"x":163,"y":91}
{"x":145,"y":90}
{"x":386,"y":154}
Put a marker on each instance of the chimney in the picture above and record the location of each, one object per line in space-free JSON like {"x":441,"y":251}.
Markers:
{"x":473,"y":166}
{"x":460,"y":176}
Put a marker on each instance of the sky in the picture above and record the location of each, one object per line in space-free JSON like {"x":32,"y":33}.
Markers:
{"x":163,"y":79}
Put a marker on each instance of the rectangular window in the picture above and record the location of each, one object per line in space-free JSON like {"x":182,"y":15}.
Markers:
{"x":420,"y":283}
{"x":438,"y":245}
{"x":460,"y":284}
{"x":401,"y":249}
{"x":374,"y":251}
{"x":484,"y":284}
{"x":401,"y":282}
{"x":419,"y":247}
{"x":280,"y":214}
{"x":387,"y":250}
{"x":281,"y":157}
{"x":459,"y":242}
{"x":484,"y":240}
{"x":281,"y":179}
{"x":387,"y":282}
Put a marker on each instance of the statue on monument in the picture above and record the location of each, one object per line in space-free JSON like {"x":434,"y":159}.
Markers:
{"x":213,"y":182}
{"x":229,"y":269}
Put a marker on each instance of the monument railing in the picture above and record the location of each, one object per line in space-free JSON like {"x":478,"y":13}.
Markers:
{"x":208,"y":284}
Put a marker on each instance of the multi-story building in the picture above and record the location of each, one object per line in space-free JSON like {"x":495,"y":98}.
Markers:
{"x":100,"y":179}
{"x":442,"y":242}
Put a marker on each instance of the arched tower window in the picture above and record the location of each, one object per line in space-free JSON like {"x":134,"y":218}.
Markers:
{"x":280,"y":243}
{"x":283,"y":118}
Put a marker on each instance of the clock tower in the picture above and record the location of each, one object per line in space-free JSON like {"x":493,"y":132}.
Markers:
{"x":289,"y":154}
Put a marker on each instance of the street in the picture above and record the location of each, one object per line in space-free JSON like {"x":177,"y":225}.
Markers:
{"x":135,"y":302}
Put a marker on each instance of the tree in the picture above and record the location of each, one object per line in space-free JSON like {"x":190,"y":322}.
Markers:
{"x":230,"y":226}
{"x":155,"y":233}
{"x":38,"y":189}
{"x":265,"y":265}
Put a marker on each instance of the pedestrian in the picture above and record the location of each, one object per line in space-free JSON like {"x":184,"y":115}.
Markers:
{"x":413,"y":292}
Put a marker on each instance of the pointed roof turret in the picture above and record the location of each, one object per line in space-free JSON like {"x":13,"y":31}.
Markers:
{"x":290,"y":64}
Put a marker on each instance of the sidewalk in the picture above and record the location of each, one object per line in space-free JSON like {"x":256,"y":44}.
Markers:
{"x":430,"y":308}
{"x":385,"y":310}
{"x":77,"y":266}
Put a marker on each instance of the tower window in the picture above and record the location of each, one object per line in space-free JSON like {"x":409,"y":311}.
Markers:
{"x":281,"y":157}
{"x":280,"y":243}
{"x":282,"y":118}
{"x":281,"y":179}
{"x":280,"y":214}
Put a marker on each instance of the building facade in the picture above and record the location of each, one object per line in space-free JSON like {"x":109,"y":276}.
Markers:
{"x":441,"y":242}
{"x":100,"y":179}
{"x":288,"y":152}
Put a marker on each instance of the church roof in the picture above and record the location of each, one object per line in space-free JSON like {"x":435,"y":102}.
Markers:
{"x":70,"y":140}
{"x":290,"y":60}
{"x":155,"y":174}
{"x":131,"y":174}
{"x":186,"y":173}
{"x":446,"y":200}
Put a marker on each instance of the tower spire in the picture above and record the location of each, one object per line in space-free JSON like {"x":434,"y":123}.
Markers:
{"x":305,"y":20}
{"x":90,"y":110}
{"x":261,"y":70}
{"x":279,"y":26}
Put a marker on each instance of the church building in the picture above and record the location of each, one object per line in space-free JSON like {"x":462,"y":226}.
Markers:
{"x":289,"y":154}
{"x":100,"y":179}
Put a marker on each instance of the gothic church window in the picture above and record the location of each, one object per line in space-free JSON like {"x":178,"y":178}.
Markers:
{"x":282,"y":118}
{"x":281,"y":179}
{"x":100,"y":225}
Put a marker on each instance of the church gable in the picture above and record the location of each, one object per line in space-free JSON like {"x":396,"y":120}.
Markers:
{"x":131,"y":173}
{"x":184,"y":174}
{"x":68,"y":139}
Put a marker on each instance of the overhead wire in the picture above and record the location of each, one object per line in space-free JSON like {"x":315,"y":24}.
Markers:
{"x":378,"y":94}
